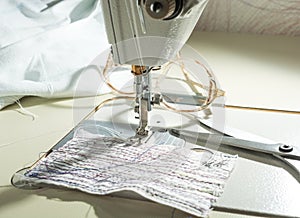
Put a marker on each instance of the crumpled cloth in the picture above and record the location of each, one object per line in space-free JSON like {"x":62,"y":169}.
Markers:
{"x":43,"y":54}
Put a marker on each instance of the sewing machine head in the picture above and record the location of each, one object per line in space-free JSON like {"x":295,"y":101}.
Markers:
{"x":145,"y":34}
{"x":149,"y":32}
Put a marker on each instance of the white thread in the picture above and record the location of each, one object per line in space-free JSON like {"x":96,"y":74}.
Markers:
{"x":24,"y":111}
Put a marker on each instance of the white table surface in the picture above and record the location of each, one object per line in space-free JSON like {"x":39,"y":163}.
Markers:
{"x":260,"y":71}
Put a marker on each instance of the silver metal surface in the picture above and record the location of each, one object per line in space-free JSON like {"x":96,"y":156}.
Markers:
{"x":143,"y":117}
{"x":143,"y":100}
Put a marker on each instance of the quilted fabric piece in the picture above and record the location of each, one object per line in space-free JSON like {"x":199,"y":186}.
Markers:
{"x":169,"y":174}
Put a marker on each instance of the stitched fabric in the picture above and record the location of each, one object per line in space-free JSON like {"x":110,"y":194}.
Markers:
{"x":165,"y":172}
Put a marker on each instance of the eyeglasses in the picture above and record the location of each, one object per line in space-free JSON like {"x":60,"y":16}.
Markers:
{"x":183,"y":84}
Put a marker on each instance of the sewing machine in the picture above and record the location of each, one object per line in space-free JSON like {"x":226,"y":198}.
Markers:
{"x":134,"y":25}
{"x":146,"y":34}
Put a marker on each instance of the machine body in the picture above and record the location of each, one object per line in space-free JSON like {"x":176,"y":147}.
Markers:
{"x":147,"y":34}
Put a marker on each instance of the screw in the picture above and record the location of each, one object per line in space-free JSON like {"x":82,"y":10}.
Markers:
{"x":285,"y":148}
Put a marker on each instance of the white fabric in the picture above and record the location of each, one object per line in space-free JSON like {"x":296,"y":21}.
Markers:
{"x":41,"y":54}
